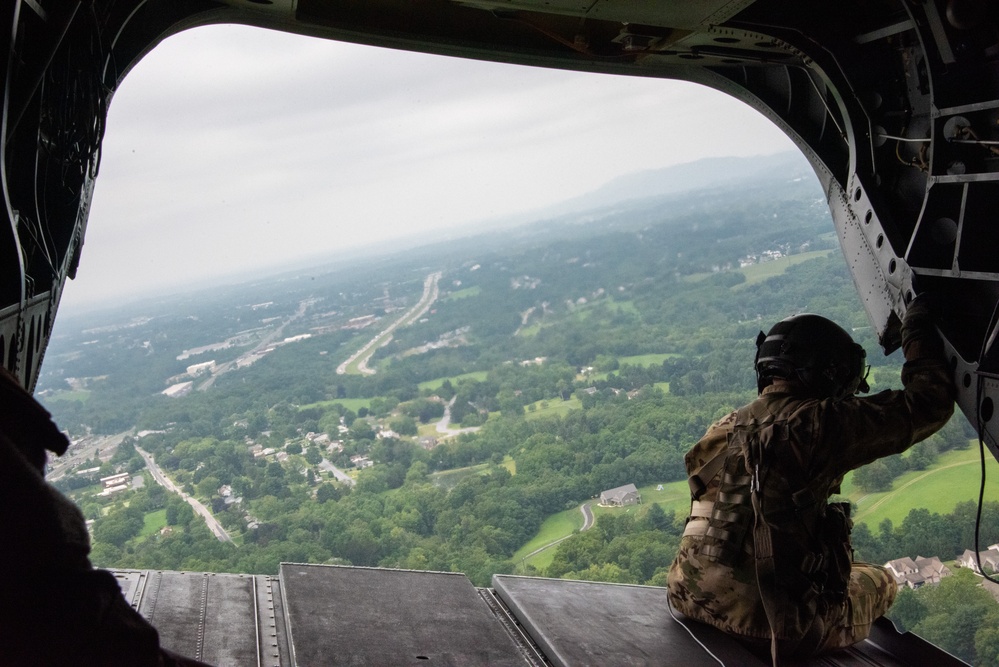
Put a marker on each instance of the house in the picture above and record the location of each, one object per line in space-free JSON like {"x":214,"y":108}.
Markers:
{"x":622,"y":495}
{"x":989,"y":558}
{"x":321,"y":439}
{"x":917,"y":572}
{"x":361,"y":461}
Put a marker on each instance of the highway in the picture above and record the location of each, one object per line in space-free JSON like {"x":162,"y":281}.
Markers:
{"x":257,"y":349}
{"x":164,"y":481}
{"x":430,"y":293}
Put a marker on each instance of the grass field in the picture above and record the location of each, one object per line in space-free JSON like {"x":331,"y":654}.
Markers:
{"x":642,"y":360}
{"x":352,"y":404}
{"x":80,"y":395}
{"x":153,"y":522}
{"x":433,"y":385}
{"x":530,"y":331}
{"x":954,"y":478}
{"x":450,"y":478}
{"x":674,"y":496}
{"x":354,"y":367}
{"x":424,"y":430}
{"x":757,"y":273}
{"x":581,"y":313}
{"x":554,"y":527}
{"x":555,"y":407}
{"x":463,"y":293}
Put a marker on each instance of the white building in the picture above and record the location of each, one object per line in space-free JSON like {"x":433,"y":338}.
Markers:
{"x":114,"y":483}
{"x":194,"y":370}
{"x":989,"y":558}
{"x":918,"y":572}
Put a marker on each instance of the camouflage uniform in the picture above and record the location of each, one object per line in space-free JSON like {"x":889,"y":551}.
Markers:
{"x":818,"y":599}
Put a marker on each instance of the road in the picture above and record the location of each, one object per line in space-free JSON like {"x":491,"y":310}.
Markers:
{"x":444,"y":425}
{"x":431,"y":291}
{"x":339,"y":474}
{"x":167,"y":483}
{"x":587,"y":524}
{"x":259,"y":347}
{"x":445,"y":422}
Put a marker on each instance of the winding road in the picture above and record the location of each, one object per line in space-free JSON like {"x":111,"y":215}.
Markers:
{"x":587,"y":524}
{"x":167,"y":483}
{"x":587,"y":517}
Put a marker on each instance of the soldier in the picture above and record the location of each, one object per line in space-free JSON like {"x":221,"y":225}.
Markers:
{"x":55,"y":608}
{"x":765,"y":556}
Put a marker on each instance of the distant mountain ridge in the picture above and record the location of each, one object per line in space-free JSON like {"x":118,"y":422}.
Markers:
{"x":700,"y":174}
{"x":630,"y":191}
{"x":650,"y":184}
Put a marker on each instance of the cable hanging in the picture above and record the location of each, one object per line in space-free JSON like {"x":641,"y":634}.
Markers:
{"x":980,"y":425}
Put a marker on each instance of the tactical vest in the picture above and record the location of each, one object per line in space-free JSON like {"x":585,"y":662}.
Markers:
{"x":751,"y":500}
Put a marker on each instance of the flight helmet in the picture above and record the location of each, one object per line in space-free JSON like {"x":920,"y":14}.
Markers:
{"x":816,"y":352}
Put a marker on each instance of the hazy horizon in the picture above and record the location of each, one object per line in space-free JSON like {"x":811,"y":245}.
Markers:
{"x":287,"y":147}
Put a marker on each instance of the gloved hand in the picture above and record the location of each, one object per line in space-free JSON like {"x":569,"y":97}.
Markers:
{"x":920,"y":339}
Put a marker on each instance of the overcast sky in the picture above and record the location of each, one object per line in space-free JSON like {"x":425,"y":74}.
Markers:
{"x":230,"y":148}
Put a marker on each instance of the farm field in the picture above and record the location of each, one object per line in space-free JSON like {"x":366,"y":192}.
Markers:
{"x":675,"y":496}
{"x":153,"y":522}
{"x":352,"y":404}
{"x":757,"y":273}
{"x":954,"y":478}
{"x":478,"y":376}
{"x":554,"y":407}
